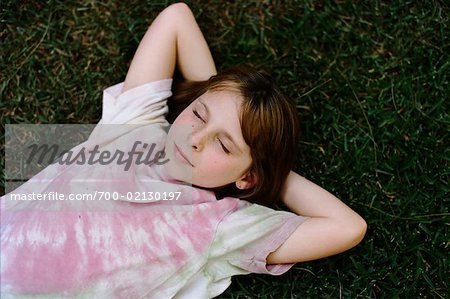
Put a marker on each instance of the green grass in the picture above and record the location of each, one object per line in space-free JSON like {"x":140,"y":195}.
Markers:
{"x":371,"y":81}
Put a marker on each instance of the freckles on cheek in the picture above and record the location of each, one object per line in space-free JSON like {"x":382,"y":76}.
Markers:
{"x":221,"y":167}
{"x":211,"y":165}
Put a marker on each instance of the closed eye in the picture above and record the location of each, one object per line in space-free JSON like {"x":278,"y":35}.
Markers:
{"x":198,"y":115}
{"x":224,"y":147}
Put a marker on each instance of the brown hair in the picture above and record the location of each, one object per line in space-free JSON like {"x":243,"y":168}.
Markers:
{"x":268,"y":122}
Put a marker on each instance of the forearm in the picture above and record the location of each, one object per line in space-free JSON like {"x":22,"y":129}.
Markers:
{"x":330,"y":220}
{"x":331,"y":226}
{"x":194,"y":58}
{"x":173,"y":39}
{"x":308,"y":199}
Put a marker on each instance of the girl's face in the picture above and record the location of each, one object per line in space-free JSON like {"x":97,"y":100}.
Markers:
{"x":205,"y":145}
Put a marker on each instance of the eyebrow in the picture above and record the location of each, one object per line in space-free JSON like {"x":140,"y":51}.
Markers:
{"x":228,"y":135}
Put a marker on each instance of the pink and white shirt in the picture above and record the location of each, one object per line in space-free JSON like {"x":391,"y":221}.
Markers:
{"x":185,"y":248}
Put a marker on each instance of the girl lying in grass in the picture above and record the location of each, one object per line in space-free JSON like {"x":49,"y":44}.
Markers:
{"x":228,"y":155}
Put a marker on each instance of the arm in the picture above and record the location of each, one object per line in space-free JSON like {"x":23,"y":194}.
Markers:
{"x":173,"y":38}
{"x":331,"y":228}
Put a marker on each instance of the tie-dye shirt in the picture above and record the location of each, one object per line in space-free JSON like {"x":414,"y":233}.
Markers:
{"x":184,"y":248}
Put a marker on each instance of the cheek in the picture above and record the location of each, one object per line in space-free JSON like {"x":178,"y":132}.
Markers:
{"x":181,"y":129}
{"x":217,"y":164}
{"x":213,"y":173}
{"x":182,"y":119}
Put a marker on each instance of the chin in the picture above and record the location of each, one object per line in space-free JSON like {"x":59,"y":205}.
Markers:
{"x":179,"y":174}
{"x":209,"y":185}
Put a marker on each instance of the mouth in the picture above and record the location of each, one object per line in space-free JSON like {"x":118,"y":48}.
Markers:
{"x":181,"y":155}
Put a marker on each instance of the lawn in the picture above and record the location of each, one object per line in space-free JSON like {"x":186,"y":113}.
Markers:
{"x":371,"y":83}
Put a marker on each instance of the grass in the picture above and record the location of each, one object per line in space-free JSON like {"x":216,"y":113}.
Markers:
{"x":371,"y":81}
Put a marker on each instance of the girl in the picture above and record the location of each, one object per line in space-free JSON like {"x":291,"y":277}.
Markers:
{"x":234,"y":138}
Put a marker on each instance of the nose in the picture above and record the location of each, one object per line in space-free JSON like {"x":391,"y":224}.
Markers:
{"x":198,"y":139}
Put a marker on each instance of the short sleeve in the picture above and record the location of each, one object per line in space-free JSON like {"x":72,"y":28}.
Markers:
{"x":144,"y":104}
{"x":246,"y":237}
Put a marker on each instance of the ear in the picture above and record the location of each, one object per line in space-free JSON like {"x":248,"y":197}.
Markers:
{"x":247,"y":181}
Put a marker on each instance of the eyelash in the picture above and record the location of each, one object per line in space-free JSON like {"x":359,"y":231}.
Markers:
{"x":221,"y":144}
{"x":198,"y":115}
{"x":223,"y":147}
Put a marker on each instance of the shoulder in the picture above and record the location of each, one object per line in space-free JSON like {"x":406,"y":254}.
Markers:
{"x":146,"y":101}
{"x":245,"y":237}
{"x":254,"y":223}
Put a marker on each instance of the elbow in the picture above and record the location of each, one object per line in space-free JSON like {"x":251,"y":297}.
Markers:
{"x":180,"y":9}
{"x":356,"y":231}
{"x":362,"y":229}
{"x":178,"y":15}
{"x":350,"y":232}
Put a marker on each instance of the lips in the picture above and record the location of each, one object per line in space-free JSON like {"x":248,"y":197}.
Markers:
{"x":181,"y":155}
